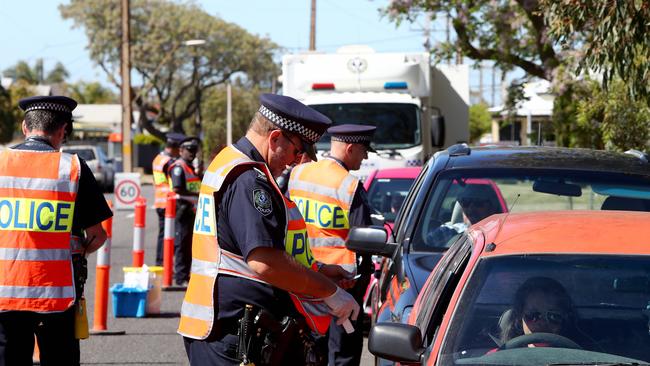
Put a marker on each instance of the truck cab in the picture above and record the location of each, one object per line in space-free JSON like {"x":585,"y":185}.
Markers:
{"x":389,"y":90}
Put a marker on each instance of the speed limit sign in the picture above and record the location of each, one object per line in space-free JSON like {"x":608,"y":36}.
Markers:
{"x":127,"y":190}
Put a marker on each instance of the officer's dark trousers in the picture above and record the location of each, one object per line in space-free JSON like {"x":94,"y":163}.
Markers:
{"x":345,"y":349}
{"x":55,"y":333}
{"x":222,"y":350}
{"x":161,"y":236}
{"x":183,"y":242}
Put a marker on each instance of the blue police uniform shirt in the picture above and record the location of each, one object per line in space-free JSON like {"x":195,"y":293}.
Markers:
{"x":241,"y":228}
{"x":91,"y":207}
{"x":177,"y":176}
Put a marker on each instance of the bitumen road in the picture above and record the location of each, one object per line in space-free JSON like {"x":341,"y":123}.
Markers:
{"x":151,"y":340}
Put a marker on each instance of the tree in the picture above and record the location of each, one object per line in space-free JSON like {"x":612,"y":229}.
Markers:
{"x":91,"y":93}
{"x":615,"y":38}
{"x":624,"y":121}
{"x":7,"y":118}
{"x":480,"y":121}
{"x":244,"y":105}
{"x":173,"y":76}
{"x":34,"y":75}
{"x":510,"y":33}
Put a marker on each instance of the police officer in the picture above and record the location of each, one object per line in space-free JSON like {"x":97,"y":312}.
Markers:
{"x":332,"y":201}
{"x":160,"y":167}
{"x":185,"y":182}
{"x":250,"y":248}
{"x":50,"y":200}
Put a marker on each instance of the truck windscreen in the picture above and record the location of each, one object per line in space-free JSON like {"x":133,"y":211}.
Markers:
{"x":398,"y":124}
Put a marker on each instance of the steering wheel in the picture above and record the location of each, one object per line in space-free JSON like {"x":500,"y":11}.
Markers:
{"x":551,"y":339}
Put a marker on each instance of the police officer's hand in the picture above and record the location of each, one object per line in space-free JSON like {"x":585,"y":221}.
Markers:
{"x":342,"y":305}
{"x":337,"y":274}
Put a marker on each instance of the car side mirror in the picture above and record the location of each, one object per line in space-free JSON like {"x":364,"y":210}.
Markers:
{"x":438,"y":130}
{"x":370,"y":240}
{"x":396,"y":342}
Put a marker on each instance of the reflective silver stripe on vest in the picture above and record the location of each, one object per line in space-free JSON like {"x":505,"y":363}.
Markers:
{"x":204,"y":268}
{"x":200,"y":312}
{"x":332,"y":241}
{"x":41,"y":184}
{"x":315,"y":307}
{"x":65,"y":165}
{"x":37,"y":292}
{"x":234,"y":265}
{"x":215,"y":179}
{"x":18,"y":254}
{"x":294,"y":214}
{"x":341,"y":193}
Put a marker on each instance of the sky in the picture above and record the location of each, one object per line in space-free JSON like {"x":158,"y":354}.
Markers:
{"x":32,"y":29}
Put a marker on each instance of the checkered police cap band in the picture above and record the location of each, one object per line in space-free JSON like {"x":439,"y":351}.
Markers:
{"x":352,"y":139}
{"x":289,"y":125}
{"x":45,"y":106}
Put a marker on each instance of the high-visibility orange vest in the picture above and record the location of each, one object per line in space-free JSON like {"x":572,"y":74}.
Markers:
{"x":324,"y":191}
{"x":209,"y":259}
{"x":37,"y":197}
{"x":161,"y":185}
{"x":192,"y":181}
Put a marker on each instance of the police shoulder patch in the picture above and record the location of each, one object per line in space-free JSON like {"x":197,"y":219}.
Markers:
{"x":262,"y":201}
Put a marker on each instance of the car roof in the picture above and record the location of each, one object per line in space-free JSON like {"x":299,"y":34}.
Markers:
{"x":532,"y":157}
{"x":411,"y":172}
{"x":585,"y":232}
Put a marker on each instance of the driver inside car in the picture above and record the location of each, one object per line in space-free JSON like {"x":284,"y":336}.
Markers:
{"x":473,"y":204}
{"x":542,"y":315}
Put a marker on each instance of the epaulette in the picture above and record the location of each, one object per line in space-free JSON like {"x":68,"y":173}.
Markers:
{"x":260,"y":175}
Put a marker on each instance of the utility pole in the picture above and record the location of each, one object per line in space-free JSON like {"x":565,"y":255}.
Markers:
{"x":480,"y":82}
{"x":312,"y":27}
{"x":125,"y":67}
{"x":494,"y":71}
{"x":228,"y":114}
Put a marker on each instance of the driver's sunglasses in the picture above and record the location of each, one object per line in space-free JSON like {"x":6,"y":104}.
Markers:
{"x":299,"y":150}
{"x":549,"y":316}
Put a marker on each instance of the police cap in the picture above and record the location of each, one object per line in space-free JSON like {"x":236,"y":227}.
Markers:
{"x":353,"y":134}
{"x":293,"y":116}
{"x":54,"y":103}
{"x":190,"y":143}
{"x":174,"y":138}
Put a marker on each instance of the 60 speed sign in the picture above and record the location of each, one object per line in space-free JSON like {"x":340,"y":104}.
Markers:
{"x":127,"y":190}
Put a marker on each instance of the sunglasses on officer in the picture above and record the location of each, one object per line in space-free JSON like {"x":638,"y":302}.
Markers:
{"x":552,"y":317}
{"x":299,"y":149}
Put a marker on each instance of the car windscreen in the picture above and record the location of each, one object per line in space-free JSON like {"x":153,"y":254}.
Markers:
{"x":398,"y":125}
{"x":464,"y":197}
{"x":86,"y":154}
{"x":386,"y":195}
{"x":552,"y":309}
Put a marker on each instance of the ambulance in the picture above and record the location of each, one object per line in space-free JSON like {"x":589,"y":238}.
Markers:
{"x":418,"y":109}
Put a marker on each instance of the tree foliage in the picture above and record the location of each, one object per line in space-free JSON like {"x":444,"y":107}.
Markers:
{"x":615,"y":38}
{"x":173,"y":76}
{"x":244,"y":105}
{"x":480,"y":121}
{"x":34,"y":74}
{"x":7,"y":118}
{"x":91,"y":93}
{"x":510,"y":33}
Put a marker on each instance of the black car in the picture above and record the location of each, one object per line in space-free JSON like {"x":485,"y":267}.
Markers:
{"x":460,"y":186}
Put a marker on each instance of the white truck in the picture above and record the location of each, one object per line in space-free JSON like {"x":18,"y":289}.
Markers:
{"x":417,"y":109}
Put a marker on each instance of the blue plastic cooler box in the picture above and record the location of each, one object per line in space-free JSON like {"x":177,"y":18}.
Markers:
{"x":128,"y":301}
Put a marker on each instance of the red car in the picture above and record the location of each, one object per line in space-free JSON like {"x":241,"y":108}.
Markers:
{"x":542,"y":288}
{"x":387,"y":189}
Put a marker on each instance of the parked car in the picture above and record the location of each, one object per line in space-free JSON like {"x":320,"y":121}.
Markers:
{"x":99,"y":164}
{"x":541,"y":288}
{"x":387,"y":189}
{"x":491,"y":180}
